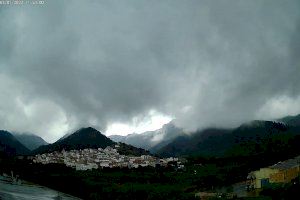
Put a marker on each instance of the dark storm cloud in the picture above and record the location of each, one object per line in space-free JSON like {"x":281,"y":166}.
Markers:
{"x":68,"y":64}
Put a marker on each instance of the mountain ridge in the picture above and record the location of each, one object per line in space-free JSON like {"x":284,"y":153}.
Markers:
{"x":88,"y":138}
{"x":291,"y":120}
{"x":151,"y":140}
{"x":9,"y":145}
{"x":29,"y":140}
{"x":225,"y":142}
{"x":83,"y":138}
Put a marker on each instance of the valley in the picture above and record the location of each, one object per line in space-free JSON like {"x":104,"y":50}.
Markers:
{"x":208,"y":161}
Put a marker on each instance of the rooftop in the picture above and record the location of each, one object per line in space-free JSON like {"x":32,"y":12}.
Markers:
{"x":287,"y":164}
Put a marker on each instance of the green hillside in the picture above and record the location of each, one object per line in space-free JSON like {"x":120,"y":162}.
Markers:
{"x":88,"y":138}
{"x":249,"y":139}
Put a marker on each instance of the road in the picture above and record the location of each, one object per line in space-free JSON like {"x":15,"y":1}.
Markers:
{"x":26,"y":191}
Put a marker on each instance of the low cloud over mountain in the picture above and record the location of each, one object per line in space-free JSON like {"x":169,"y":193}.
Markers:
{"x":65,"y":65}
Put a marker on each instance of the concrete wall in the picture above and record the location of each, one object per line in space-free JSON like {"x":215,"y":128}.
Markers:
{"x":263,"y":173}
{"x":291,"y":174}
{"x":277,"y":177}
{"x":285,"y":176}
{"x":274,"y":175}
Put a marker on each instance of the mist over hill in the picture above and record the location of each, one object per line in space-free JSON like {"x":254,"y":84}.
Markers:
{"x":30,"y":141}
{"x":253,"y":137}
{"x":87,"y":138}
{"x":151,"y":140}
{"x":250,"y":138}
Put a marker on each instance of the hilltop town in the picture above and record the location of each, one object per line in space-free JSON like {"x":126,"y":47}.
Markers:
{"x":100,"y":158}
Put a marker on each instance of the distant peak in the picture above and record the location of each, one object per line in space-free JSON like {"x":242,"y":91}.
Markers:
{"x":253,"y":123}
{"x":170,"y":124}
{"x":87,"y":129}
{"x":91,"y":128}
{"x":5,"y":132}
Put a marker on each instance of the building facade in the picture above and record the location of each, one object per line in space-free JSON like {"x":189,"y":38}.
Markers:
{"x":282,"y":172}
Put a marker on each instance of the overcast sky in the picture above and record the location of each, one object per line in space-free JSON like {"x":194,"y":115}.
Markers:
{"x":138,"y":64}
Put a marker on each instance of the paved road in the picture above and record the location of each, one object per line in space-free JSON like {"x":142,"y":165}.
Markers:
{"x":27,"y":191}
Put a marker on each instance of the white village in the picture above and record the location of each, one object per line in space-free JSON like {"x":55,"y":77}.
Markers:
{"x":109,"y":157}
